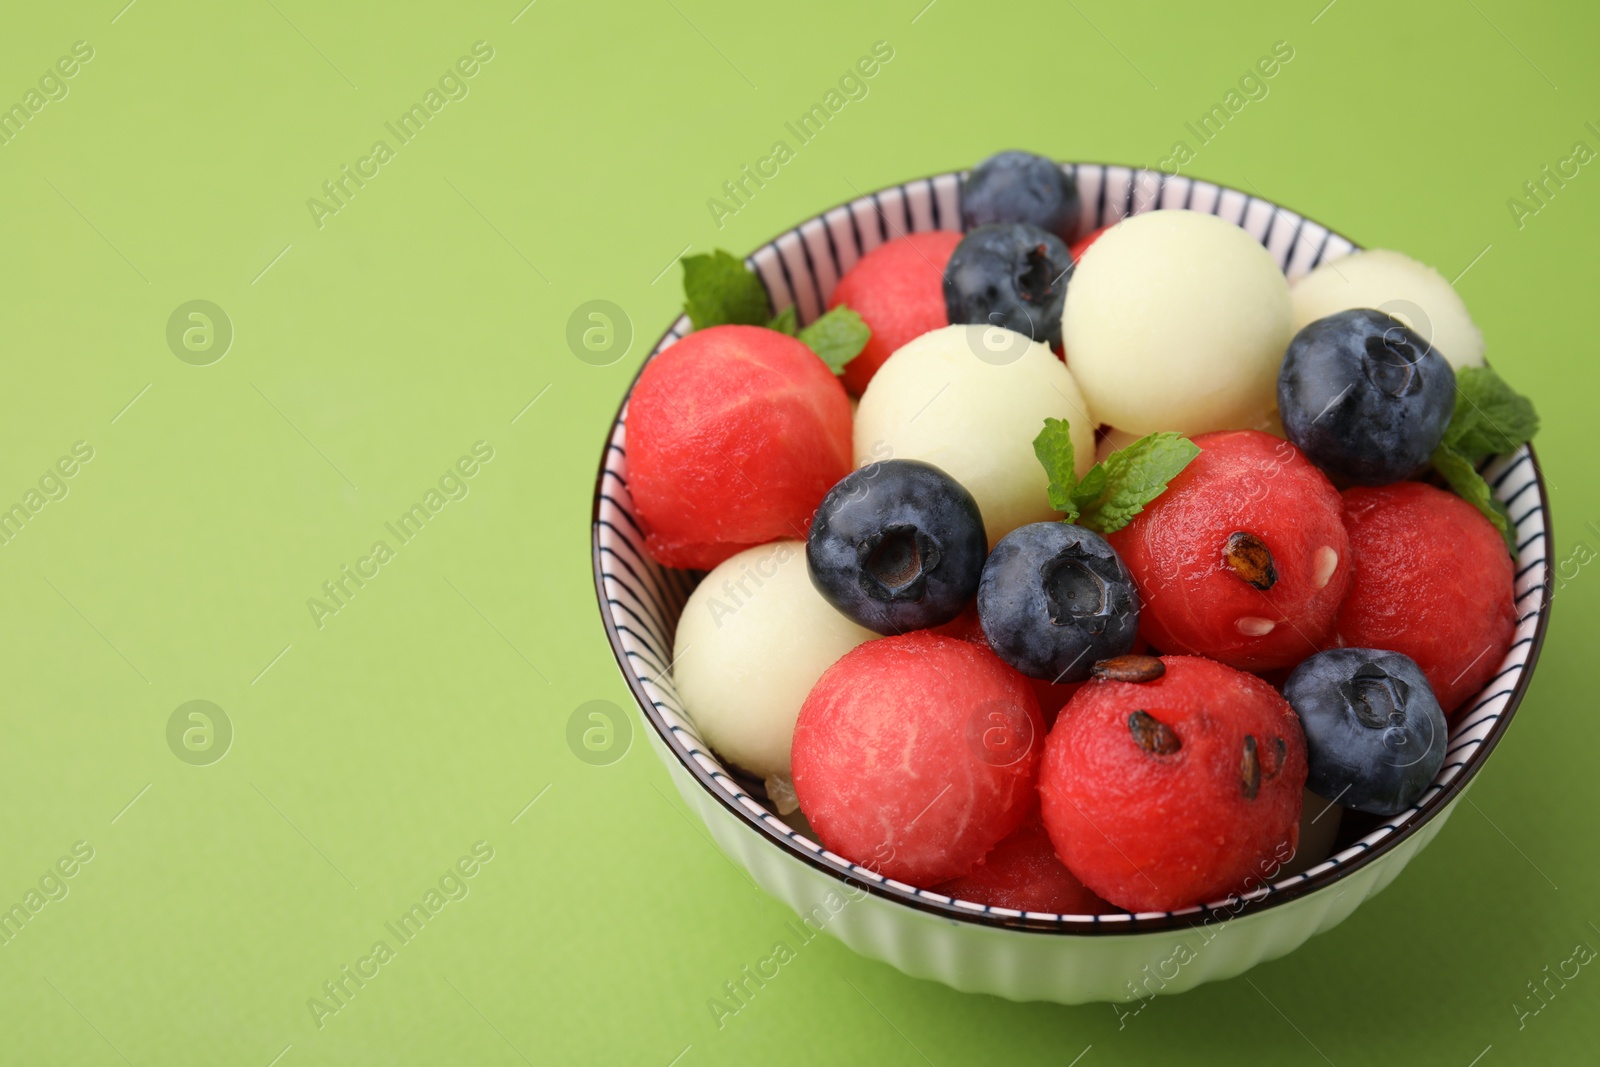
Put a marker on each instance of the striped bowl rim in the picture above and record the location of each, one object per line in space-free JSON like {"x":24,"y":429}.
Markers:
{"x":640,"y":600}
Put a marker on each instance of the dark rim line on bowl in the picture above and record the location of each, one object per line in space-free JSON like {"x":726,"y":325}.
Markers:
{"x":1297,"y":886}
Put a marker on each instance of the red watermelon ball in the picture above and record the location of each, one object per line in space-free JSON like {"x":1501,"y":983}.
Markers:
{"x":1050,"y":695}
{"x":1244,"y":558}
{"x":915,"y":755}
{"x":898,"y":289}
{"x":1023,"y":873}
{"x":1164,"y":794}
{"x":1433,"y":580}
{"x":735,"y":433}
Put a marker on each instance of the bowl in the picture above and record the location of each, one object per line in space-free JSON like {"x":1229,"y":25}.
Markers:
{"x":971,"y":947}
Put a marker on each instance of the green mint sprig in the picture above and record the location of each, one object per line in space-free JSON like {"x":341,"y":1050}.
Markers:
{"x":1108,"y":497}
{"x":1490,"y":419}
{"x":719,"y":290}
{"x":838,"y":337}
{"x":786,"y":321}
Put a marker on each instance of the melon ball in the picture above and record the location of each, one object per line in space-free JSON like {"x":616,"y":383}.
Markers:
{"x":753,"y":639}
{"x":915,"y":755}
{"x":1271,"y":423}
{"x":1113,"y":440}
{"x":734,"y":435}
{"x":970,"y":400}
{"x":1397,"y":285}
{"x":1177,"y":320}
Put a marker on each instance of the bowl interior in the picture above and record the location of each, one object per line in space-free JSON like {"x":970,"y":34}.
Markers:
{"x":640,"y":600}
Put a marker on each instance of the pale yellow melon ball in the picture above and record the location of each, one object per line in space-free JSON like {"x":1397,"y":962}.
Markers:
{"x":1113,"y":441}
{"x":970,"y":400}
{"x":753,"y":639}
{"x":1398,"y":285}
{"x":1177,"y":320}
{"x":1272,"y":424}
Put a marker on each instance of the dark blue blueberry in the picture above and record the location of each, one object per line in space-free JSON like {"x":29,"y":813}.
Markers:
{"x":1365,"y":398}
{"x":897,"y":546}
{"x":1020,"y":187}
{"x":1055,"y":599}
{"x":1375,"y":736}
{"x":1012,"y":275}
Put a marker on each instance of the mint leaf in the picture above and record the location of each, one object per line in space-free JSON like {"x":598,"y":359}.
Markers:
{"x":1490,"y":418}
{"x":718,"y":290}
{"x":1053,"y":446}
{"x":838,"y":337}
{"x":785,"y":322}
{"x":1462,"y":474}
{"x":1133,"y":477}
{"x":1090,"y":488}
{"x":1113,"y":492}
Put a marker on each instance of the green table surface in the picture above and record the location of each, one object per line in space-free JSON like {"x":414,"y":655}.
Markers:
{"x":379,"y":338}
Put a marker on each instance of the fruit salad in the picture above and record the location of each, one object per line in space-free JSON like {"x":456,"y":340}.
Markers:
{"x":1074,"y":570}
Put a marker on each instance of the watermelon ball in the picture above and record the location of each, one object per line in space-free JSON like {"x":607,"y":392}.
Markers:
{"x":1375,"y":736}
{"x":952,"y":399}
{"x":1433,"y":581}
{"x":1023,"y":873}
{"x":753,"y":639}
{"x":915,"y":755}
{"x":1177,"y":320}
{"x":1051,"y":696}
{"x":964,"y":627}
{"x":1244,"y":558}
{"x":898,"y":290}
{"x":735,"y":433}
{"x":1177,"y":791}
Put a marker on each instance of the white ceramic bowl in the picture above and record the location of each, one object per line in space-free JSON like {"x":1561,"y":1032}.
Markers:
{"x":1033,"y":956}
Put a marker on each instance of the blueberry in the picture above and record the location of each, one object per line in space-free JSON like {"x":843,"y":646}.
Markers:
{"x":1364,"y":397}
{"x":1375,"y":735}
{"x":1020,"y":187}
{"x":897,"y":546}
{"x":1055,"y":599}
{"x":1012,"y":275}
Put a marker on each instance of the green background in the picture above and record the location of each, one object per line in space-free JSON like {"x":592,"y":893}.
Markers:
{"x":369,"y":354}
